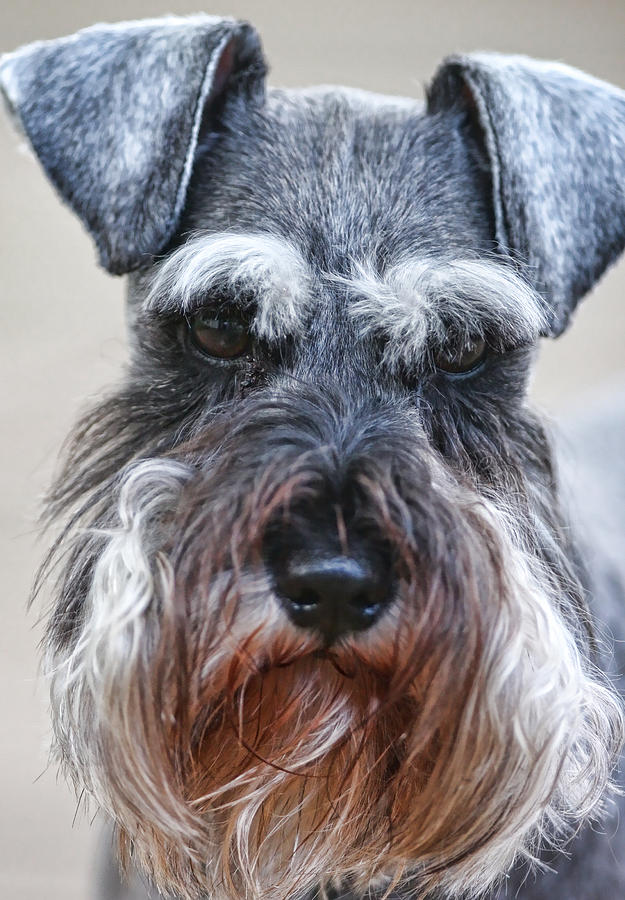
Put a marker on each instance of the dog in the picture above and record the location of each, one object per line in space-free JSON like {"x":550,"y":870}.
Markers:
{"x":321,"y":624}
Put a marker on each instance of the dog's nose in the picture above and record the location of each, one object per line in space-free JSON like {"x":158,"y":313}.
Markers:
{"x":334,"y":595}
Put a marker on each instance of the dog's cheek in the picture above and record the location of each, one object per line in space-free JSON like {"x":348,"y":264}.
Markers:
{"x":481,"y":426}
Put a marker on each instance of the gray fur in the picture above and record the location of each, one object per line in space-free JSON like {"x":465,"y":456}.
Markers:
{"x":361,"y":236}
{"x":116,"y":128}
{"x":555,"y":139}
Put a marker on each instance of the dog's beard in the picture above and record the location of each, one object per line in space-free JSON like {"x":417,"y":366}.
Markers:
{"x":240,"y":757}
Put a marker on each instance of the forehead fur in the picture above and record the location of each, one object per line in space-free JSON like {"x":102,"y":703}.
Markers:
{"x":334,"y":192}
{"x":343,"y":175}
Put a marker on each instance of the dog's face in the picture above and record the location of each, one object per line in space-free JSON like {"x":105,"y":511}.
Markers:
{"x":318,"y":618}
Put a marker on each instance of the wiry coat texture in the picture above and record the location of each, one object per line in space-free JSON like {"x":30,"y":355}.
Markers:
{"x":116,"y":127}
{"x":361,"y":243}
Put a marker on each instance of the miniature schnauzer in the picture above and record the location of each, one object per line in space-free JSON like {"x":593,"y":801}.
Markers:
{"x":321,"y":626}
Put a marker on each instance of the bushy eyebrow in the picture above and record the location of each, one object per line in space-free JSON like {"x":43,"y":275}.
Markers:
{"x":266,"y":269}
{"x":415,"y":304}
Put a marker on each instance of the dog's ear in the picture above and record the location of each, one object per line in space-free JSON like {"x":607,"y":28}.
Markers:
{"x":555,"y":145}
{"x":114,"y":113}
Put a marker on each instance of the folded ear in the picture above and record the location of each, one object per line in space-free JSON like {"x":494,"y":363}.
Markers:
{"x":555,"y":142}
{"x":114,"y":113}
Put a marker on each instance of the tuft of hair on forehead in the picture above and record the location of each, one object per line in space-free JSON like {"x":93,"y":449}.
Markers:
{"x":417,"y":303}
{"x":257,"y":270}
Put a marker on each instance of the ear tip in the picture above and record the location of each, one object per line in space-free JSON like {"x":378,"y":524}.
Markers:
{"x":9,"y":82}
{"x":461,"y":67}
{"x":490,"y":66}
{"x":16,"y":66}
{"x":16,"y":74}
{"x":10,"y":91}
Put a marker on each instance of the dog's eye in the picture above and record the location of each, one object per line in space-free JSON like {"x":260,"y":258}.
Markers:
{"x":224,"y":338}
{"x":458,"y":360}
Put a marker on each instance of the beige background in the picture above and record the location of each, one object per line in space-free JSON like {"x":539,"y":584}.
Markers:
{"x":62,"y":321}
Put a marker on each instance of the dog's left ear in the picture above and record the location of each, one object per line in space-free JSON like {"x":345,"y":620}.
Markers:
{"x":555,"y":145}
{"x":114,"y":115}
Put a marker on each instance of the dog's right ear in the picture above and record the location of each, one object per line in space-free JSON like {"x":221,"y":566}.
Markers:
{"x":114,"y":113}
{"x":554,"y":143}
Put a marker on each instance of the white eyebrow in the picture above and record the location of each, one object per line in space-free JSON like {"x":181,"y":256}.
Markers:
{"x":415,"y":303}
{"x":265,"y":271}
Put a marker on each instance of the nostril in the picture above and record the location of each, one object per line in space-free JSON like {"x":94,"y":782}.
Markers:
{"x":334,"y":595}
{"x":365,"y":602}
{"x":300,"y":595}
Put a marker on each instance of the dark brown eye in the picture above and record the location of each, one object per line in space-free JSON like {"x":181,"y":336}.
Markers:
{"x":460,"y":359}
{"x":222,"y":338}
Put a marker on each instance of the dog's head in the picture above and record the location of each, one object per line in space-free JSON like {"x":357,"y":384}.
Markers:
{"x":317,"y":615}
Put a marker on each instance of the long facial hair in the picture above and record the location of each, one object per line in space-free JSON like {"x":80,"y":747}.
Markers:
{"x":241,"y":756}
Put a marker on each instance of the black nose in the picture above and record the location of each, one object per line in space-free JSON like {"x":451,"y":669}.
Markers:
{"x":333,"y":595}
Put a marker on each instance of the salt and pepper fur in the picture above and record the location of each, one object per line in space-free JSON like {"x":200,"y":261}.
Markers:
{"x":360,"y":237}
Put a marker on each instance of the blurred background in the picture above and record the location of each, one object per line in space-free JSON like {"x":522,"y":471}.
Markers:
{"x":62,"y":333}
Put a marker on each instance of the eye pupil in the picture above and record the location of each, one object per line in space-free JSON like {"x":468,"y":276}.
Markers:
{"x":462,"y":358}
{"x":221,"y":338}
